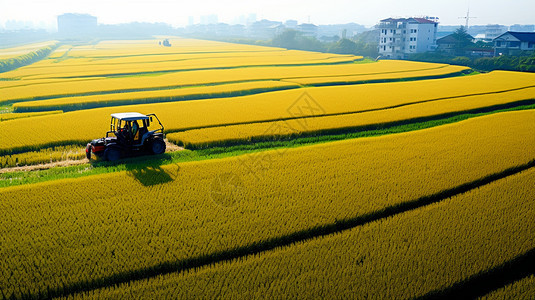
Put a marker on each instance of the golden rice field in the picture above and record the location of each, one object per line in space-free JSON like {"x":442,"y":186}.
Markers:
{"x":146,"y":239}
{"x":406,"y":256}
{"x":13,"y":116}
{"x":304,"y":175}
{"x":357,"y":72}
{"x":223,"y":135}
{"x":387,"y":98}
{"x":25,"y":49}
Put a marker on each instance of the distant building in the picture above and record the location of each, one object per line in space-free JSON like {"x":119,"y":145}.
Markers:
{"x":77,"y":26}
{"x":291,"y":24}
{"x":327,"y":32}
{"x":448,"y":44}
{"x":512,"y":43}
{"x":237,"y":30}
{"x":308,"y":29}
{"x":209,"y":19}
{"x":492,"y":31}
{"x":478,"y":38}
{"x":265,"y":29}
{"x":522,"y":28}
{"x":401,"y":37}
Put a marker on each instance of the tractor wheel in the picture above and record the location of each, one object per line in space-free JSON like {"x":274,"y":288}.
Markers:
{"x":88,"y":151}
{"x":157,"y":146}
{"x":112,"y":154}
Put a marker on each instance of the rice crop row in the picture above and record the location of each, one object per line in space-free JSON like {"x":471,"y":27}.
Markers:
{"x":88,"y":68}
{"x":13,"y":116}
{"x":331,"y":80}
{"x":81,"y":126}
{"x":167,"y":95}
{"x":121,"y":48}
{"x":13,"y":52}
{"x":40,"y":89}
{"x":47,"y":155}
{"x":344,"y":123}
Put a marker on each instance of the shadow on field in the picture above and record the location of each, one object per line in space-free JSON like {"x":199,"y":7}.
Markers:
{"x":148,"y":169}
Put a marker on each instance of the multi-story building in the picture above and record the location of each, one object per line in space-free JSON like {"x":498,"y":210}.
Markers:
{"x":77,"y":26}
{"x":513,"y":43}
{"x":308,"y":29}
{"x":404,"y":36}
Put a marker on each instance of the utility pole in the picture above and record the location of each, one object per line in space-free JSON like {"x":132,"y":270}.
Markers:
{"x":467,"y":18}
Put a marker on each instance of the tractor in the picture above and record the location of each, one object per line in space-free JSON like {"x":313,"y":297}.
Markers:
{"x":130,"y":135}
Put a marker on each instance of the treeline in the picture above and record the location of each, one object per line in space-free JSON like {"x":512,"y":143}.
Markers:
{"x":525,"y":63}
{"x":13,"y":63}
{"x":292,"y":39}
{"x":295,"y":40}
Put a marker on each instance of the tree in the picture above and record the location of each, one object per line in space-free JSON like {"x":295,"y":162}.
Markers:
{"x":292,"y":39}
{"x":344,"y":46}
{"x":287,"y":39}
{"x":463,"y":40}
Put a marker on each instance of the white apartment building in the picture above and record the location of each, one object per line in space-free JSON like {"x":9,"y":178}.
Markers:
{"x":404,"y":36}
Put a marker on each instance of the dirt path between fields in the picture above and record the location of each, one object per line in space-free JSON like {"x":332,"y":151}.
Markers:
{"x":170,"y":147}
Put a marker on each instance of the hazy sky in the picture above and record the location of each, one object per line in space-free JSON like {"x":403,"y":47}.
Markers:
{"x":366,"y":12}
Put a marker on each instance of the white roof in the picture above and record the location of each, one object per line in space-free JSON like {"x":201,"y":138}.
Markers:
{"x":129,"y":116}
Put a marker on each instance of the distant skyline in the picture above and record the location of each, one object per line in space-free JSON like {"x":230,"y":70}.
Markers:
{"x":177,"y":13}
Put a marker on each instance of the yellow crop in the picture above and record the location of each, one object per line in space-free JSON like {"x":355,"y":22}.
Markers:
{"x":378,"y":77}
{"x":180,"y":62}
{"x":58,"y":234}
{"x":404,"y":257}
{"x":81,"y":126}
{"x":13,"y":116}
{"x":48,"y":155}
{"x":341,"y":123}
{"x":6,"y":86}
{"x":150,"y":47}
{"x":165,"y":95}
{"x":29,"y":89}
{"x":59,"y":52}
{"x":25,"y":49}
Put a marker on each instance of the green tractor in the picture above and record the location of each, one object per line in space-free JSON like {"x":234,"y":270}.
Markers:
{"x":131,"y":136}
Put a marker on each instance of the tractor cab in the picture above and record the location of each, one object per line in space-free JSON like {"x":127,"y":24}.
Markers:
{"x":129,"y":133}
{"x":129,"y":127}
